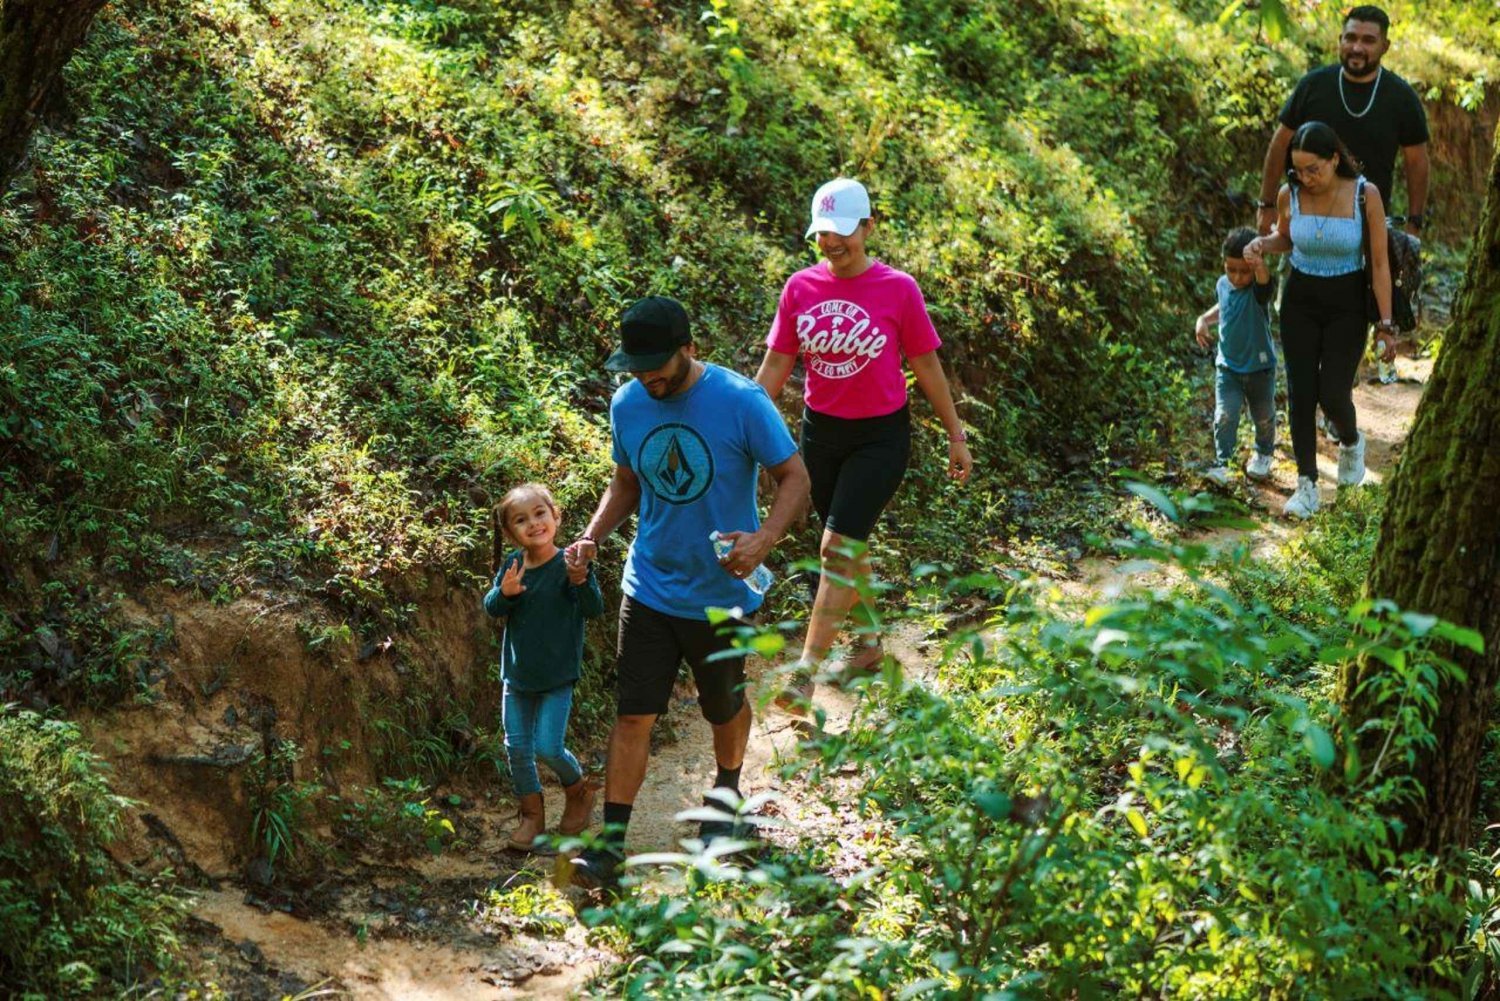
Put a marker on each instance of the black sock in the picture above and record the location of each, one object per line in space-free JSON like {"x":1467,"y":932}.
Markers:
{"x":728,"y":778}
{"x":616,"y":819}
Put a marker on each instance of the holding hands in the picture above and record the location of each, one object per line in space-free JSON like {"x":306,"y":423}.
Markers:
{"x":577,"y":561}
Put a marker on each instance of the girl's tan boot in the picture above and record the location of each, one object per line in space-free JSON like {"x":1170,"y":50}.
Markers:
{"x":533,"y":822}
{"x":578,"y":808}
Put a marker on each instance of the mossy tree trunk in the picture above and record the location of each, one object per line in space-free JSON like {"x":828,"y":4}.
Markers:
{"x":36,"y":39}
{"x":1439,"y":545}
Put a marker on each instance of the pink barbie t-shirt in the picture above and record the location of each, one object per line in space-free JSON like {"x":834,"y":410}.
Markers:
{"x":852,"y":334}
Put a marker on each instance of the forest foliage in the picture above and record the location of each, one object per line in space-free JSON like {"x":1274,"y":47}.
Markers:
{"x":290,"y":293}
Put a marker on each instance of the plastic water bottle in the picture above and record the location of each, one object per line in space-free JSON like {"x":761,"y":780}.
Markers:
{"x":760,"y":578}
{"x":1385,"y":371}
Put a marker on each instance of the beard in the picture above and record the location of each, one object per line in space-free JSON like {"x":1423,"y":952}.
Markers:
{"x":672,"y":382}
{"x":1359,"y":65}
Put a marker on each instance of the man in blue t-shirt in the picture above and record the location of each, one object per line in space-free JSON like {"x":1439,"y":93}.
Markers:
{"x":688,"y":438}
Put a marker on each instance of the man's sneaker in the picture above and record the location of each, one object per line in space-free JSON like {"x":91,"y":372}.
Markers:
{"x":1352,"y":463}
{"x":1304,"y":502}
{"x":596,"y":869}
{"x":1217,"y":474}
{"x":726,"y":803}
{"x":710,"y":831}
{"x":1259,"y":467}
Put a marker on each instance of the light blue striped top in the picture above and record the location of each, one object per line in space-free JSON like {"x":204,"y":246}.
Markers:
{"x":1325,"y":245}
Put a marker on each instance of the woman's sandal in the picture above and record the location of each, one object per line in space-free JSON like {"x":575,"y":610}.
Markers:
{"x":870,"y":658}
{"x":796,"y":694}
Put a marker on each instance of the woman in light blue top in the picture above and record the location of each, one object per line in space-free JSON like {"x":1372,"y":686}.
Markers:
{"x":1323,"y":321}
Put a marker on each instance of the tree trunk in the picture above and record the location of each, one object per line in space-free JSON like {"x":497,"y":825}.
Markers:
{"x":36,"y":39}
{"x":1439,"y":545}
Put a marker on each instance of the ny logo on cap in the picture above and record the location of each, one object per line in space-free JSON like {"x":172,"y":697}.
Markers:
{"x":827,"y":204}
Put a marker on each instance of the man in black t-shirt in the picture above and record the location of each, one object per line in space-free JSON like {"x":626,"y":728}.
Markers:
{"x":1372,"y":109}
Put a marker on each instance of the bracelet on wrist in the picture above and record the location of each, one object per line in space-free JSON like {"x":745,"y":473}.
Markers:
{"x":958,"y":439}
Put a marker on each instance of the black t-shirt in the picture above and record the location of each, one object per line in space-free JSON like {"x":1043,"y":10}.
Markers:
{"x":1397,"y":118}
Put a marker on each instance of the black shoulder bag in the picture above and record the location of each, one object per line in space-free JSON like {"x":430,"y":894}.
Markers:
{"x":1404,"y":255}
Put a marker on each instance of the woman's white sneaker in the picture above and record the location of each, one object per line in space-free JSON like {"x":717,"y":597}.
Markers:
{"x":1352,"y":463}
{"x":1259,"y":467}
{"x":1304,"y":502}
{"x":1217,"y":474}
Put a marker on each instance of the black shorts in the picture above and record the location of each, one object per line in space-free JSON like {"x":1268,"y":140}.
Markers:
{"x":651,"y":646}
{"x":856,"y":465}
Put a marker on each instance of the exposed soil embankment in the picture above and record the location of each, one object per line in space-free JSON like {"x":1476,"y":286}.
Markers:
{"x":1461,"y":147}
{"x":254,"y":670}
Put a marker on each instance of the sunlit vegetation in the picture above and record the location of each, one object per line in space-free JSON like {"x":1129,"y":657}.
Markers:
{"x":289,"y":293}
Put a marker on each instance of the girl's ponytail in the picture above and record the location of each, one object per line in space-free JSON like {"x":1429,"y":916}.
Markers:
{"x":497,"y":539}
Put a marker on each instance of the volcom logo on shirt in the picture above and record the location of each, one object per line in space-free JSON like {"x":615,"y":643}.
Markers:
{"x":837,"y":338}
{"x":675,"y":462}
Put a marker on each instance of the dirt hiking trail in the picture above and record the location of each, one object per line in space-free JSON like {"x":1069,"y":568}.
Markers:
{"x":427,"y":929}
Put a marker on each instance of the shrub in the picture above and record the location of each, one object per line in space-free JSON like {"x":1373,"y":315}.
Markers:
{"x":1148,"y":799}
{"x":71,"y":923}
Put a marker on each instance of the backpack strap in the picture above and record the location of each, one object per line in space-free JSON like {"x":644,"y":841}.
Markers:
{"x":1364,"y":220}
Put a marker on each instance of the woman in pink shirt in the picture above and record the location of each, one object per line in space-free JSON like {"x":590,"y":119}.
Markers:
{"x":853,"y":320}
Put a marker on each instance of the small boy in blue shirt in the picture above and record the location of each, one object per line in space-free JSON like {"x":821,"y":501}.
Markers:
{"x":1246,"y":361}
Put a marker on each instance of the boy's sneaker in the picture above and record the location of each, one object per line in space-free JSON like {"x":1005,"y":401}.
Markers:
{"x":1217,"y":474}
{"x":1304,"y":502}
{"x":1259,"y":467}
{"x":1352,"y":463}
{"x":596,"y":869}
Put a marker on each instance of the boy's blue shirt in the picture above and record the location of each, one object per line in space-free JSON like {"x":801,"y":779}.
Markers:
{"x":695,"y":455}
{"x":1245,"y":326}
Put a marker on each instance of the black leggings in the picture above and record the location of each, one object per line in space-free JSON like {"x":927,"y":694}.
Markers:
{"x":855,"y":465}
{"x":1323,"y":332}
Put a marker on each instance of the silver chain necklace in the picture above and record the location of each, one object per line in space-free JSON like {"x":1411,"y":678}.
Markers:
{"x":1373,"y":90}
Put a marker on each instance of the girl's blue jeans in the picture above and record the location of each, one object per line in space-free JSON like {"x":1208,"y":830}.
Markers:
{"x":1232,"y":392}
{"x":536,"y":724}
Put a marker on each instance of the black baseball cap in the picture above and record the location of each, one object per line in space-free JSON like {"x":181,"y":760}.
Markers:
{"x":651,"y":331}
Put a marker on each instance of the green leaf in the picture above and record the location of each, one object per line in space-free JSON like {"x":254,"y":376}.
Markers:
{"x":994,"y":804}
{"x":1137,"y":822}
{"x":1232,"y":9}
{"x":767,"y":644}
{"x":1469,"y":639}
{"x":1419,"y":625}
{"x":1157,"y":498}
{"x":1319,"y":744}
{"x":1275,"y":19}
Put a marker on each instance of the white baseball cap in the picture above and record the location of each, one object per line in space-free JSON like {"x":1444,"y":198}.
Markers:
{"x":839,"y":207}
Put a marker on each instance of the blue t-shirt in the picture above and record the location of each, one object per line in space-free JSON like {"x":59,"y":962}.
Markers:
{"x":1245,"y":326}
{"x":696,"y":455}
